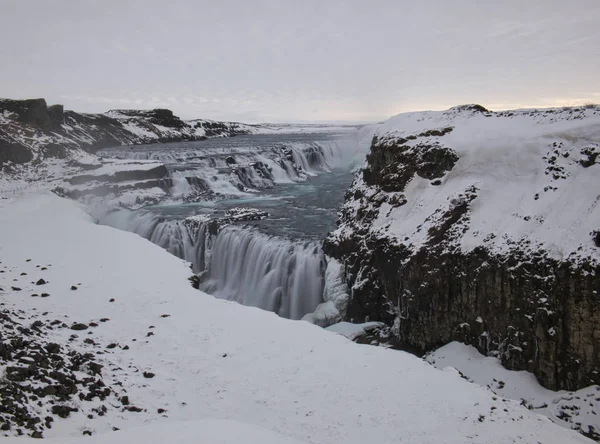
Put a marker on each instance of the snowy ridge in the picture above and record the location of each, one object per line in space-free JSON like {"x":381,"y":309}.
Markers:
{"x":529,"y":179}
{"x":198,"y":358}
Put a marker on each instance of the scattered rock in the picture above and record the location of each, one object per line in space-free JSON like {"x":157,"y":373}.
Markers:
{"x":111,"y":300}
{"x":148,"y":375}
{"x":41,"y":282}
{"x":15,"y":288}
{"x":45,"y":295}
{"x":79,"y":326}
{"x":73,"y":287}
{"x":63,"y":411}
{"x":111,"y":346}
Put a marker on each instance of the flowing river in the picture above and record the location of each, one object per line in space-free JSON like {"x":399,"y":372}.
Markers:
{"x":249,"y":213}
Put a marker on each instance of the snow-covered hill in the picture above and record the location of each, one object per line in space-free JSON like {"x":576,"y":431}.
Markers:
{"x":29,"y":129}
{"x":482,"y":227}
{"x":170,"y":353}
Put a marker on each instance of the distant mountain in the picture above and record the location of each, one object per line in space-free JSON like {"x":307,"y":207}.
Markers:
{"x":30,"y":129}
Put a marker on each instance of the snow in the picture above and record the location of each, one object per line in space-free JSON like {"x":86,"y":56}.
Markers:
{"x":521,"y":386}
{"x":353,"y":331}
{"x":218,"y":360}
{"x":184,"y":432}
{"x":112,"y":166}
{"x":524,"y":167}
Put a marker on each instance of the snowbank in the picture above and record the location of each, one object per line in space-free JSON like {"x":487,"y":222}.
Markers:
{"x":578,"y":410}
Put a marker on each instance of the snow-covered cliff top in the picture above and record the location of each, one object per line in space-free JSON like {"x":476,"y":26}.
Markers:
{"x":526,"y":178}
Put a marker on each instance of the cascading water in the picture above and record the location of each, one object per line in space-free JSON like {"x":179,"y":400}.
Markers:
{"x":237,"y":264}
{"x":277,"y":265}
{"x":265,"y":272}
{"x":230,"y":169}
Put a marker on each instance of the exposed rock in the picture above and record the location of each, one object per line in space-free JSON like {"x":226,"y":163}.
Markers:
{"x":509,"y":297}
{"x":79,"y":326}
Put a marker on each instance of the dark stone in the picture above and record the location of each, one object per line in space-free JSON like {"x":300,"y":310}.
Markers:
{"x":125,"y":400}
{"x":148,"y":375}
{"x":73,"y":287}
{"x":596,"y":237}
{"x":79,"y":326}
{"x":62,"y":411}
{"x":56,"y":114}
{"x":45,"y":295}
{"x":40,"y":282}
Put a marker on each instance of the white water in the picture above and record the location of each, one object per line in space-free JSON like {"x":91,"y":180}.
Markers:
{"x":237,"y":264}
{"x":266,"y":272}
{"x":234,"y":168}
{"x":241,"y":264}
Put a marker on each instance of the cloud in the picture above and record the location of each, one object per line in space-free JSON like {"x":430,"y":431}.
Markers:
{"x":289,"y":60}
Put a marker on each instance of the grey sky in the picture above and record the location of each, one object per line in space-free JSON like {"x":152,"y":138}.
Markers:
{"x":300,"y":60}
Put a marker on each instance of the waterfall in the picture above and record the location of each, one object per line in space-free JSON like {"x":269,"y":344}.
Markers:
{"x":237,"y":263}
{"x":265,"y":272}
{"x":237,"y":170}
{"x":175,"y":236}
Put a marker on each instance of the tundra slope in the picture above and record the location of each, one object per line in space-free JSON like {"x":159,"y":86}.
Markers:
{"x":481,"y":227}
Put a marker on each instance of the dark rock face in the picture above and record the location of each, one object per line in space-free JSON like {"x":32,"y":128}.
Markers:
{"x":30,"y":111}
{"x":56,"y":114}
{"x":532,"y":312}
{"x":32,"y":124}
{"x":393,"y":164}
{"x":13,"y":152}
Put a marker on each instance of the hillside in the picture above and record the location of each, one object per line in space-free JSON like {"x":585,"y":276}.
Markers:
{"x":29,"y":129}
{"x":482,"y":227}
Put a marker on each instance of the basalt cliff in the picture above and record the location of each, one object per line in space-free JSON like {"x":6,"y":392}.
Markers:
{"x":481,"y":227}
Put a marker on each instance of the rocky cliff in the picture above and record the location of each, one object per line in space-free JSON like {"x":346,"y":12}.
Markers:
{"x":29,"y":129}
{"x":481,"y":227}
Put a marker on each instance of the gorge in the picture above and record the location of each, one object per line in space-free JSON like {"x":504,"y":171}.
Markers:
{"x":461,"y":225}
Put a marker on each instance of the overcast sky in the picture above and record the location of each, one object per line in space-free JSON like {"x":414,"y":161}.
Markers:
{"x":300,"y":60}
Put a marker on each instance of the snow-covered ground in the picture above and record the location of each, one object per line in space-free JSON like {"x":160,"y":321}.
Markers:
{"x":214,"y":360}
{"x":529,"y":176}
{"x":578,"y":410}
